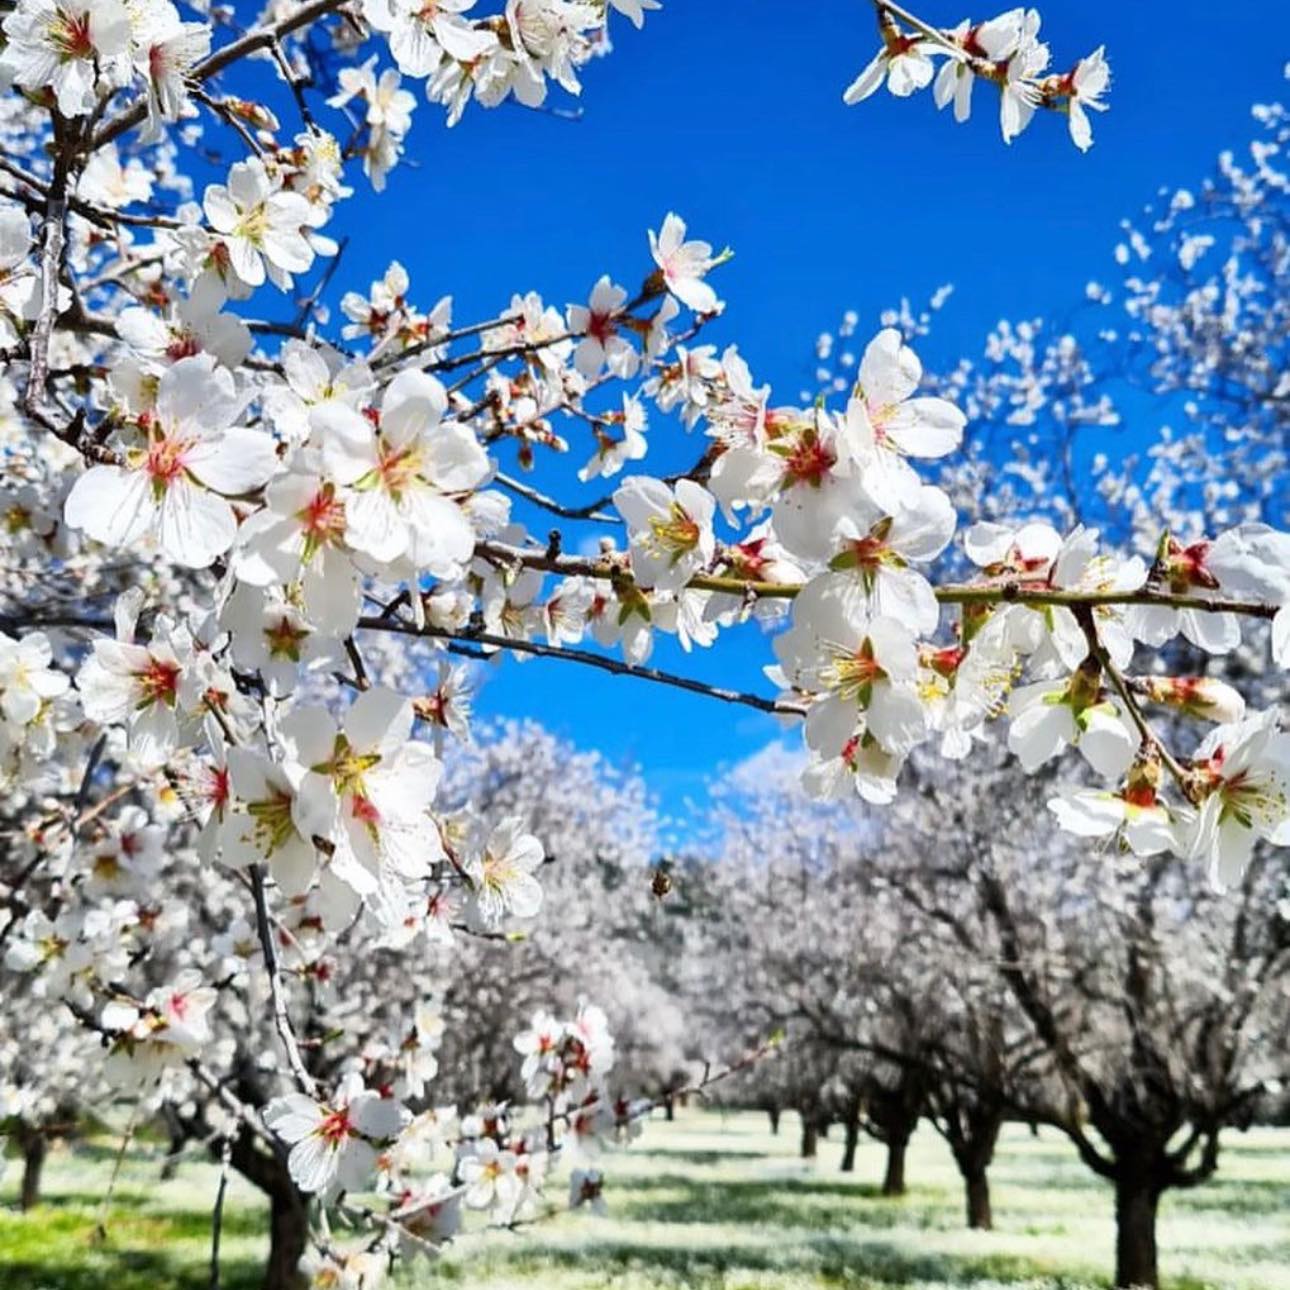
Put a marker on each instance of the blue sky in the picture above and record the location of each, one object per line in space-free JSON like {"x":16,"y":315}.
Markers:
{"x":730,"y":113}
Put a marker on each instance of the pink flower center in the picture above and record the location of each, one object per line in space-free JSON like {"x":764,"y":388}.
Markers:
{"x":158,"y":682}
{"x":70,"y":35}
{"x":335,"y":1127}
{"x":165,"y":462}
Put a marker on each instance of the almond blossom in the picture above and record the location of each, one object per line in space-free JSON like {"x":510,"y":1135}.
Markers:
{"x":268,"y":823}
{"x":421,"y":36}
{"x":166,"y":51}
{"x":67,"y":48}
{"x":886,"y":424}
{"x":670,"y":528}
{"x":27,"y":681}
{"x":862,"y":668}
{"x":300,"y":540}
{"x":175,"y":485}
{"x":502,"y":873}
{"x":147,"y":687}
{"x":365,"y":787}
{"x":1046,"y":718}
{"x":682,"y":265}
{"x":262,"y":228}
{"x":903,"y":62}
{"x":334,"y":1143}
{"x":602,"y":343}
{"x":403,"y":476}
{"x":1242,"y":774}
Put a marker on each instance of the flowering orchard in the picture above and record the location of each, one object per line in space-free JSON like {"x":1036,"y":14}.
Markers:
{"x":245,"y":556}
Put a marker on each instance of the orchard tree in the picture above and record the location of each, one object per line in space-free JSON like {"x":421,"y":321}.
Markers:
{"x":244,"y":548}
{"x":908,"y":1024}
{"x":1158,"y":1001}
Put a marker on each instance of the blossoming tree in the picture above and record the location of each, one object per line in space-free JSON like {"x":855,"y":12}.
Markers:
{"x":244,"y":551}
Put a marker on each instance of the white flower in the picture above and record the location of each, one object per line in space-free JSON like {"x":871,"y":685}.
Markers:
{"x":1183,"y":571}
{"x":66,"y":47}
{"x":268,"y":824}
{"x":1020,"y":95}
{"x":367,"y":787}
{"x":1047,"y":717}
{"x":903,"y":61}
{"x":262,"y":229}
{"x":316,"y":377}
{"x":20,"y":289}
{"x":1079,"y":567}
{"x":172,"y":488}
{"x":27,"y":682}
{"x":503,"y":874}
{"x":171,"y":1025}
{"x":602,"y":344}
{"x":810,"y":467}
{"x":885,"y":424}
{"x":166,"y":51}
{"x":682,"y":265}
{"x":634,"y":10}
{"x":106,"y":182}
{"x":613,"y":453}
{"x":333,"y":1142}
{"x":421,"y":34}
{"x":404,"y":476}
{"x":1243,"y":770}
{"x":489,"y":1176}
{"x":875,"y":561}
{"x":271,"y":636}
{"x":994,"y":41}
{"x":299,"y":539}
{"x":193,"y":325}
{"x":1253,"y":560}
{"x":670,"y":528}
{"x":862,"y":668}
{"x":1085,"y":85}
{"x":1091,"y":813}
{"x":146,"y":687}
{"x":586,"y":1186}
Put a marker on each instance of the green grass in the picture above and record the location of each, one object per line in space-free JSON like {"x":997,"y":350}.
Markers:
{"x":711,"y":1202}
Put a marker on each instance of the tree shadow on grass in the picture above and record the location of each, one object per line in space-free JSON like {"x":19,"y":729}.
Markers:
{"x":124,"y":1270}
{"x":1239,"y":1197}
{"x":828,"y":1257}
{"x":697,"y":1156}
{"x":784,"y":1202}
{"x":82,"y":1209}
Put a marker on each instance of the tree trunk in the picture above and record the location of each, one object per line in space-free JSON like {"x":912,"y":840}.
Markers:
{"x":851,"y":1141}
{"x":288,"y":1211}
{"x":977,"y":1186}
{"x":177,"y":1139}
{"x":773,"y":1112}
{"x":288,"y":1236}
{"x":35,"y":1146}
{"x":1136,"y":1202}
{"x":893,"y":1182}
{"x":810,"y":1137}
{"x":972,"y":1138}
{"x":669,"y":1109}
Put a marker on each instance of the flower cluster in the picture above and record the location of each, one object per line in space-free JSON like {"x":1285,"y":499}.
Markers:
{"x":1005,"y":52}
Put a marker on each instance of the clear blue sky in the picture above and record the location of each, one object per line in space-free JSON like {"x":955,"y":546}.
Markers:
{"x":731,"y":114}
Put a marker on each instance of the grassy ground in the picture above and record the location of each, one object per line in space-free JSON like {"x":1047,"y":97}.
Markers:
{"x":707,"y":1203}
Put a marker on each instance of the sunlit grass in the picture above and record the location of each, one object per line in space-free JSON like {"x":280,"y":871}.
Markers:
{"x":709,"y":1203}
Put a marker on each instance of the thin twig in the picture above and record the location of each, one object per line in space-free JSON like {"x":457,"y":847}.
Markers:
{"x":217,"y":1215}
{"x":604,"y":662}
{"x":281,"y":1018}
